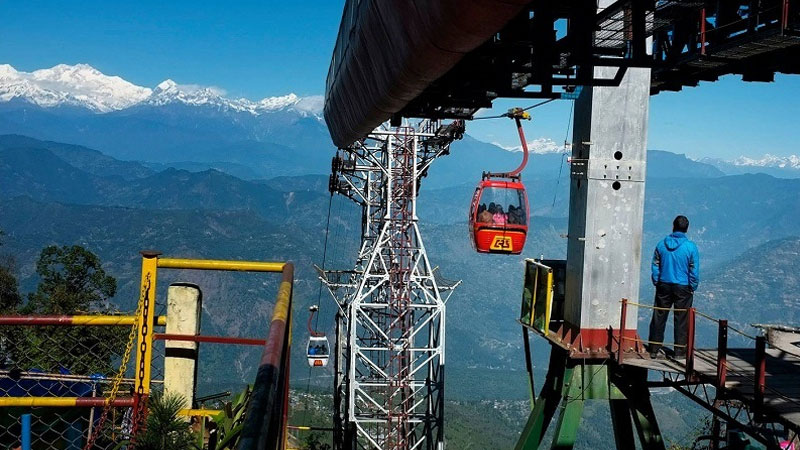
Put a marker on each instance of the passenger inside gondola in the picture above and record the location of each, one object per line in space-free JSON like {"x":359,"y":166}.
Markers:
{"x":484,"y":216}
{"x":499,"y":217}
{"x":516,"y":215}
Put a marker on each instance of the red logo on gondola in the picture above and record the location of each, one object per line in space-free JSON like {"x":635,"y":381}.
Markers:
{"x":502,"y":243}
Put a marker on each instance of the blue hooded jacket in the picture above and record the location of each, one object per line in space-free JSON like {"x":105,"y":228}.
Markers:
{"x":677,"y":261}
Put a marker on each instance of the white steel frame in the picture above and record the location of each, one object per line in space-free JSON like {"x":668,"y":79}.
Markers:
{"x":391,"y":326}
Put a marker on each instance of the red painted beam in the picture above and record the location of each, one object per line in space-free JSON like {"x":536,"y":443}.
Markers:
{"x":690,"y":345}
{"x":722,"y":355}
{"x":622,"y":319}
{"x":211,"y":339}
{"x":760,"y":376}
{"x":36,"y":320}
{"x":100,"y":401}
{"x":62,"y":402}
{"x":265,"y":423}
{"x":703,"y":31}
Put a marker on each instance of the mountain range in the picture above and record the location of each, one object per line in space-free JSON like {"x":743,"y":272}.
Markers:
{"x":83,"y":86}
{"x":197,"y":128}
{"x":57,"y":193}
{"x":777,"y":166}
{"x":52,"y":193}
{"x":94,"y":160}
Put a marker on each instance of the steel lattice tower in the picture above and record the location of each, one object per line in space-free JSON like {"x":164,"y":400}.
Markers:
{"x":390,"y":352}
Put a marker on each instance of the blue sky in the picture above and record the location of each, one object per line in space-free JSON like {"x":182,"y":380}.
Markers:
{"x":264,"y":48}
{"x":249,"y":48}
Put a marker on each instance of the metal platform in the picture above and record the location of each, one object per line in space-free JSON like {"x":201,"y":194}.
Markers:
{"x":778,"y":398}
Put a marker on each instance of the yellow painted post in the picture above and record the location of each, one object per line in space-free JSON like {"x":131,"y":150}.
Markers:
{"x":144,"y":349}
{"x":549,"y":302}
{"x":535,"y":291}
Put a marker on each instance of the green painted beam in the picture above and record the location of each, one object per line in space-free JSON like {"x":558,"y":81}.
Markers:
{"x":571,"y":410}
{"x":546,"y":404}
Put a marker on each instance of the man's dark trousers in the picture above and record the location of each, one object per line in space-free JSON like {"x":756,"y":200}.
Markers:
{"x":676,"y":296}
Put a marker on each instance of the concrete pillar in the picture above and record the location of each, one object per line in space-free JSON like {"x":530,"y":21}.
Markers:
{"x":604,"y":251}
{"x":184,"y":305}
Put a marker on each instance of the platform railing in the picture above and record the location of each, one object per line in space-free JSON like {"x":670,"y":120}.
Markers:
{"x":265,"y":424}
{"x":758,"y":377}
{"x":690,"y":338}
{"x":126,"y":413}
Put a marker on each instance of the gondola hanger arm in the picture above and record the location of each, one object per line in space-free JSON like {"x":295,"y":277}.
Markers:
{"x":518,"y":114}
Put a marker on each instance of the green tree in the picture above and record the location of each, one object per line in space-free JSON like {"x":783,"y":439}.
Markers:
{"x":314,"y":442}
{"x":10,"y":299}
{"x":165,"y":430}
{"x":72,"y":281}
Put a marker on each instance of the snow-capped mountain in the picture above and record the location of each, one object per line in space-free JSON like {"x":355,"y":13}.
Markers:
{"x":777,"y":166}
{"x":84,"y":86}
{"x":79,"y":85}
{"x":539,"y":146}
{"x":784,"y":162}
{"x":169,"y":123}
{"x":168,"y":92}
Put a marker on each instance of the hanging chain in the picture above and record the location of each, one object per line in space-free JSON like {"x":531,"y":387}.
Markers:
{"x":139,"y":412}
{"x":122,"y":366}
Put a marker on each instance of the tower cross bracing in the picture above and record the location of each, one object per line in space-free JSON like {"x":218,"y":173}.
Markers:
{"x":390,"y":345}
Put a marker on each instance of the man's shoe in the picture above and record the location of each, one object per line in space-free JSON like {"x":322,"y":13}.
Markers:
{"x":656,"y":354}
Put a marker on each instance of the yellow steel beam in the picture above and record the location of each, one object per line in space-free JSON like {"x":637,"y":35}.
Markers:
{"x":111,"y":320}
{"x":216,"y":264}
{"x":37,"y":401}
{"x":199,"y":412}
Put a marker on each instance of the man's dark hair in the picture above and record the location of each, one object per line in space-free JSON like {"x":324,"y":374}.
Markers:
{"x":681,"y":223}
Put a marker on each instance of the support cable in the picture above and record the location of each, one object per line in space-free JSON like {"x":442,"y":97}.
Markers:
{"x":324,"y":257}
{"x":564,"y":153}
{"x":319,"y":297}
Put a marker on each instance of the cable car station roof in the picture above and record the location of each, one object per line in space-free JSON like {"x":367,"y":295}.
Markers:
{"x":449,"y":58}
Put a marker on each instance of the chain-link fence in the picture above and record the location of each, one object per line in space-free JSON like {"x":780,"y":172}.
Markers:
{"x":60,"y":371}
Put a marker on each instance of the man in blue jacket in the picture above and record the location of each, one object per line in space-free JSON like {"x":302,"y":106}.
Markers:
{"x":676,"y":275}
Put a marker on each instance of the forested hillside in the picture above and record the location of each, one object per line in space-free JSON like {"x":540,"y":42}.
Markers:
{"x":61,"y":194}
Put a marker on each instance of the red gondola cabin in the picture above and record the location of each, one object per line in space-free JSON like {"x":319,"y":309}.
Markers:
{"x":498,"y":216}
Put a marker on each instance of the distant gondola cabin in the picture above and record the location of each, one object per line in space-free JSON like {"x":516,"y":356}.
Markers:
{"x":318,"y":351}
